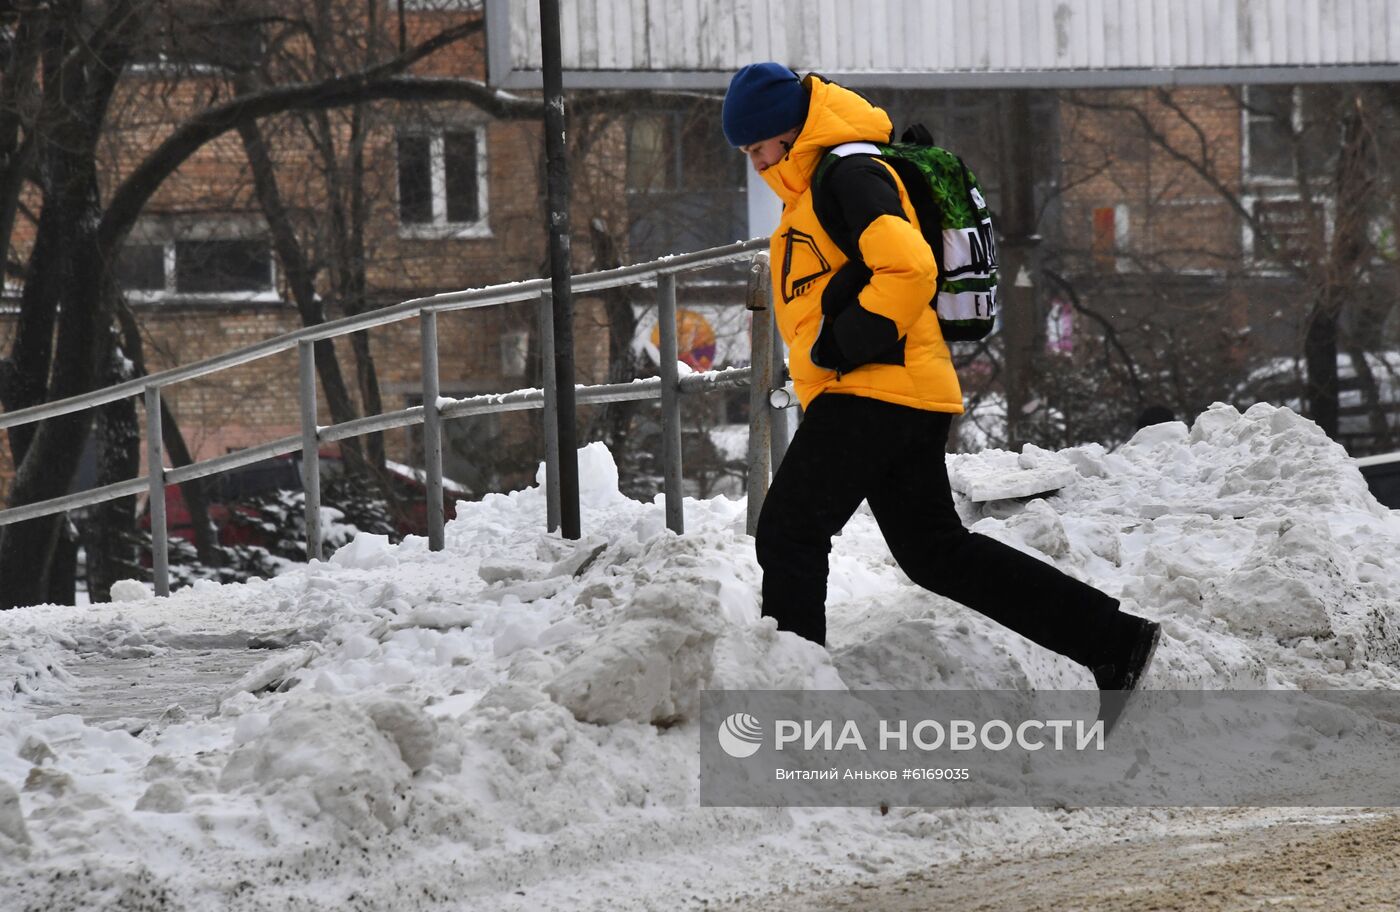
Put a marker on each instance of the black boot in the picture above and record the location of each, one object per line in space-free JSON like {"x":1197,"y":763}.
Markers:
{"x":1118,"y":678}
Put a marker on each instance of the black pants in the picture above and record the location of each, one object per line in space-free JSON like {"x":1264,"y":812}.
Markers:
{"x":851,"y":448}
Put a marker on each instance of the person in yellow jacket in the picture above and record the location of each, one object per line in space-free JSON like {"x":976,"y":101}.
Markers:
{"x":878,"y":388}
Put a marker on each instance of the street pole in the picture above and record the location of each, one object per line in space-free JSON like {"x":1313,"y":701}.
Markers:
{"x":1017,"y":250}
{"x":559,"y":265}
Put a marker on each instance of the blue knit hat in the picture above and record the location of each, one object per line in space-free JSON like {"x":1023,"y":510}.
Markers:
{"x":763,"y":101}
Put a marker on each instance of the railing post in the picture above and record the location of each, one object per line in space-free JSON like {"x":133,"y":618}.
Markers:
{"x":155,"y":477}
{"x":760,"y":382}
{"x":670,"y":402}
{"x":310,"y":450}
{"x":784,"y":420}
{"x":551,"y":413}
{"x":432,"y":429}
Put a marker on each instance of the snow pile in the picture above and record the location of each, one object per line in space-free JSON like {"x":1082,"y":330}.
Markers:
{"x":366,"y":552}
{"x":509,"y":723}
{"x":30,"y":661}
{"x":1252,"y":536}
{"x":328,"y":756}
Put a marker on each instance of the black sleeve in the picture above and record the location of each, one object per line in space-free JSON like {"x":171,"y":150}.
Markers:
{"x":855,"y":191}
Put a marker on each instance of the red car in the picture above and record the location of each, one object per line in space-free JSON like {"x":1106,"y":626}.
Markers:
{"x":231,"y":493}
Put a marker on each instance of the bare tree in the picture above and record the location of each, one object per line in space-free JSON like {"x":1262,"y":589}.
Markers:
{"x":63,"y":339}
{"x":1312,"y":224}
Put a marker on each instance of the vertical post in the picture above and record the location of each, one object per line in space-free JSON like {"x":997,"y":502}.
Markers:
{"x":760,"y":382}
{"x":1017,"y":250}
{"x":670,"y":402}
{"x":310,"y":450}
{"x":557,"y":167}
{"x":155,"y":477}
{"x":784,"y":419}
{"x":432,"y":429}
{"x":551,"y":413}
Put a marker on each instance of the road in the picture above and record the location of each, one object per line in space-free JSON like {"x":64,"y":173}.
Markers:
{"x":1351,"y":863}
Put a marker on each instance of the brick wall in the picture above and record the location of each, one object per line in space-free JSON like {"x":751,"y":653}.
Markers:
{"x":1152,"y":246}
{"x":1175,"y":219}
{"x":257,"y":402}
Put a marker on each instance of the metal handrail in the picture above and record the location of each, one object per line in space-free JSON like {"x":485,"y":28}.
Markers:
{"x":491,"y":295}
{"x":665,"y":387}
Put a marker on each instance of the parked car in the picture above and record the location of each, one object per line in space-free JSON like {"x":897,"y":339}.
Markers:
{"x":1382,"y":475}
{"x":1283,"y":381}
{"x":238,"y":492}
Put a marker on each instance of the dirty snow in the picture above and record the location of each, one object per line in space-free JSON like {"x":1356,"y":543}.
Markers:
{"x":508,"y":724}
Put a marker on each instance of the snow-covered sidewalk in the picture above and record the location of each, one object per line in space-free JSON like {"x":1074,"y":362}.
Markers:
{"x":508,"y":724}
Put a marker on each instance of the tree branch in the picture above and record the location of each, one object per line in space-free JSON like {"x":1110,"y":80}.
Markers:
{"x":1201,"y":169}
{"x":1110,"y":335}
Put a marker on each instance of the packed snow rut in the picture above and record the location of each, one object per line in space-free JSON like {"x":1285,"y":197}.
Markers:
{"x":139,"y":691}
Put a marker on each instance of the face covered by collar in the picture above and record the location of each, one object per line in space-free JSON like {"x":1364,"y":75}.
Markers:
{"x":835,"y":115}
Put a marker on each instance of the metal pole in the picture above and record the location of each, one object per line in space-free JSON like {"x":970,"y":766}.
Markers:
{"x":784,"y":419}
{"x":310,"y":450}
{"x":760,"y":382}
{"x":1017,"y":268}
{"x":560,"y":265}
{"x":432,"y":430}
{"x":670,"y":402}
{"x":155,"y":477}
{"x":551,"y":413}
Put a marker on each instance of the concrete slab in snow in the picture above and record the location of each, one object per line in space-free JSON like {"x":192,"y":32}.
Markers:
{"x":981,"y":484}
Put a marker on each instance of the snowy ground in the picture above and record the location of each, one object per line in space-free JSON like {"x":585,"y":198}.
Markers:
{"x":508,"y":724}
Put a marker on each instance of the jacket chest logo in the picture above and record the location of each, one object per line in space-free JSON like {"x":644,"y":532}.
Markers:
{"x":803,"y":263}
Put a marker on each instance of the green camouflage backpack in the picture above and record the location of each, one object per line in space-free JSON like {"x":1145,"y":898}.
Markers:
{"x":953,"y":218}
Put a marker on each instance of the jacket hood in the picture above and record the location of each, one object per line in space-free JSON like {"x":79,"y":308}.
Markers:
{"x":835,"y":115}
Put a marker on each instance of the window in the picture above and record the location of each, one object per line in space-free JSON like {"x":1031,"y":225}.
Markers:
{"x":204,"y":267}
{"x":1292,"y":138}
{"x":203,"y":36}
{"x":1298,"y":230}
{"x":1269,"y":113}
{"x":442,"y":183}
{"x":1289,"y":126}
{"x":141,"y":267}
{"x":685,"y":185}
{"x":681,"y":151}
{"x":212,"y":269}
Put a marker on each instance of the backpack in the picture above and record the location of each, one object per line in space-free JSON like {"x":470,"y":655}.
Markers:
{"x":953,"y":218}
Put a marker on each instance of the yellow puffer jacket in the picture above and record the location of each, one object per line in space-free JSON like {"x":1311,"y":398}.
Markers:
{"x":892,"y":288}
